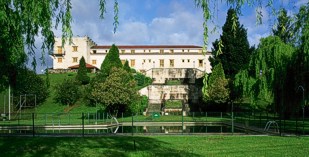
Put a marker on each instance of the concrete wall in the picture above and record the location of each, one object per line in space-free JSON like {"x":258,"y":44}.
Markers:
{"x":160,"y":75}
{"x":156,"y":93}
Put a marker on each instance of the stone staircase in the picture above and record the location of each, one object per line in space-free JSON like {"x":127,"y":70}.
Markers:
{"x":153,"y":108}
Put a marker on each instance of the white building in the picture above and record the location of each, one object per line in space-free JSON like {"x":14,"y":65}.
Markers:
{"x":140,"y":57}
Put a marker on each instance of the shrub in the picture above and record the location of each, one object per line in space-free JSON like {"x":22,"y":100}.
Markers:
{"x":67,"y":92}
{"x":29,"y":83}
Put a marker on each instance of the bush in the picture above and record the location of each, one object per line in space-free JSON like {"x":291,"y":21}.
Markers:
{"x":142,"y":80}
{"x":67,"y":92}
{"x":139,"y":105}
{"x":175,"y":104}
{"x":29,"y":83}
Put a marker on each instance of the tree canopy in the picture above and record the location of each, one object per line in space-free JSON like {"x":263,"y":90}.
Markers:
{"x":111,"y":60}
{"x":235,"y":52}
{"x":284,"y":27}
{"x":216,"y":89}
{"x":117,"y":92}
{"x":266,"y":78}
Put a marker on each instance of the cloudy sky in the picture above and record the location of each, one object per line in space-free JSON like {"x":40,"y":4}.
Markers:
{"x":164,"y":21}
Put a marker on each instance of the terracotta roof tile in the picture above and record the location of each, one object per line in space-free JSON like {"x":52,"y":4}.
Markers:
{"x":88,"y":66}
{"x":147,"y":46}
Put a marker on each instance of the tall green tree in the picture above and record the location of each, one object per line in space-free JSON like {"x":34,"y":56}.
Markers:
{"x":126,"y":66}
{"x":301,"y":63}
{"x":216,"y":88}
{"x":67,"y":92}
{"x":284,"y":27}
{"x":82,"y":76}
{"x":30,"y":84}
{"x":117,"y":92}
{"x":111,"y":60}
{"x":266,"y":81}
{"x":235,"y":52}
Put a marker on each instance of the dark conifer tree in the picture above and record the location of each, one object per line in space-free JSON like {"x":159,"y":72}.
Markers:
{"x":82,"y":76}
{"x":126,"y":66}
{"x":111,"y":60}
{"x":235,"y":50}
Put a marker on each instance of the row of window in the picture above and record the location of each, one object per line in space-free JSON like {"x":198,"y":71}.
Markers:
{"x":75,"y":49}
{"x":132,"y":62}
{"x":59,"y":49}
{"x":161,"y":51}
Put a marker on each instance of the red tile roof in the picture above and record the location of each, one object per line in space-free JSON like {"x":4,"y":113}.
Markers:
{"x":147,"y":46}
{"x":88,"y":66}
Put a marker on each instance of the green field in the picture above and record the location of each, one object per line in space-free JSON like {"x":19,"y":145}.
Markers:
{"x":118,"y":146}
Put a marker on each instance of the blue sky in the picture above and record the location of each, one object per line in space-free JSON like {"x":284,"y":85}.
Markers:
{"x":165,"y":21}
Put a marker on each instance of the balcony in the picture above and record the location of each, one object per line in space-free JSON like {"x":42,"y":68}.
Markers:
{"x":57,"y":53}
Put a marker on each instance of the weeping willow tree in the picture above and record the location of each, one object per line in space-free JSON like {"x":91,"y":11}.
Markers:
{"x":21,"y":21}
{"x":266,"y":80}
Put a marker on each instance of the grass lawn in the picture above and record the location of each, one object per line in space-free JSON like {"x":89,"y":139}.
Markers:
{"x":195,"y":146}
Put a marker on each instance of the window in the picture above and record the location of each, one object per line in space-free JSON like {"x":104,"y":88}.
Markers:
{"x":59,"y":60}
{"x":183,"y":50}
{"x":161,"y":63}
{"x":123,"y":61}
{"x":149,"y":60}
{"x":171,"y":63}
{"x":188,"y":60}
{"x":94,"y":51}
{"x":94,"y":62}
{"x":106,"y":51}
{"x":132,"y":62}
{"x":144,"y":60}
{"x":161,"y":51}
{"x":74,"y":48}
{"x":132,"y":51}
{"x":123,"y":51}
{"x":200,"y":63}
{"x":144,"y":51}
{"x":59,"y":49}
{"x":149,"y":50}
{"x":188,"y":50}
{"x":172,"y":51}
{"x":183,"y":61}
{"x":74,"y":59}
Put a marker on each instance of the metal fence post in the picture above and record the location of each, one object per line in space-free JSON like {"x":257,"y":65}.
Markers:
{"x":182,"y":120}
{"x":88,"y":119}
{"x":33,"y":125}
{"x":232,"y":118}
{"x":132,"y":124}
{"x":83,"y":131}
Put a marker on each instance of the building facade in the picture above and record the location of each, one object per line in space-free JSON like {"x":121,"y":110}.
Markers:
{"x":140,"y":57}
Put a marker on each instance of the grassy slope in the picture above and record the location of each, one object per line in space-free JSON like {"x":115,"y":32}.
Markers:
{"x":155,"y":146}
{"x":50,"y":106}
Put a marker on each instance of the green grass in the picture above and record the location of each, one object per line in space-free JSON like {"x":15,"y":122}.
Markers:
{"x":172,"y":146}
{"x":176,"y":104}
